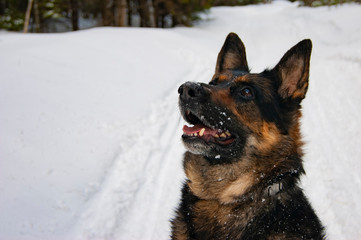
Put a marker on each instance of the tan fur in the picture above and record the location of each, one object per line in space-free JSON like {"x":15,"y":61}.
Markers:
{"x":180,"y":230}
{"x":223,"y":77}
{"x":300,"y":93}
{"x":269,"y":137}
{"x":223,"y":183}
{"x":242,"y":79}
{"x":237,"y":188}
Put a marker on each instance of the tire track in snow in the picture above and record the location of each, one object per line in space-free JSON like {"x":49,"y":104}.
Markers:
{"x":114,"y":205}
{"x":141,"y":188}
{"x":164,"y":167}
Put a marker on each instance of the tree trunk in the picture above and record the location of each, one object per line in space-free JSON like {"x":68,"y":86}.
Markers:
{"x":74,"y":14}
{"x":174,"y":21}
{"x":162,"y":19}
{"x":160,"y":11}
{"x":2,"y":7}
{"x":108,"y":13}
{"x":27,"y":15}
{"x":122,"y":13}
{"x":151,"y":18}
{"x":37,"y":16}
{"x":130,"y":12}
{"x":146,"y":13}
{"x":140,"y":10}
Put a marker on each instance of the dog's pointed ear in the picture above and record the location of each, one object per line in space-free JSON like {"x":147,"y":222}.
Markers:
{"x":232,"y":55}
{"x":293,"y":71}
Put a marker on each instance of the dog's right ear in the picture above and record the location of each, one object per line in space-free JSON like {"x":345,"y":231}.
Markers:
{"x":232,"y":55}
{"x":293,"y":71}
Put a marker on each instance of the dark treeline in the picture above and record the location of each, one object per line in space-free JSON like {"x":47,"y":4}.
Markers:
{"x":67,"y":15}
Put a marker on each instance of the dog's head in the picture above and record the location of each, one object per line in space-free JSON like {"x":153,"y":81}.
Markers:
{"x":241,"y":113}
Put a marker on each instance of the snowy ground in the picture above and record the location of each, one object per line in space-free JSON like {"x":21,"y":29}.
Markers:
{"x":90,"y":132}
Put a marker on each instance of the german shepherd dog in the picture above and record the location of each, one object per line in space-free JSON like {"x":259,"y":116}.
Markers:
{"x":244,"y":157}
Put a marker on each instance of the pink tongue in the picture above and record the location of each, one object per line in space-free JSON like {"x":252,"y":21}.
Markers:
{"x":196,"y":128}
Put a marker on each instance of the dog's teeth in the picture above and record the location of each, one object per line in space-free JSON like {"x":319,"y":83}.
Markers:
{"x":195,"y":134}
{"x":216,"y":136}
{"x":228,"y":134}
{"x":223,"y":135}
{"x":201,"y":132}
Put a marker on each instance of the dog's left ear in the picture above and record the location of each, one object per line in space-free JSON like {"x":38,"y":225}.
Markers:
{"x":232,"y":55}
{"x":293,"y":71}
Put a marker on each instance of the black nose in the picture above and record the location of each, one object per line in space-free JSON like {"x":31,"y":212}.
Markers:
{"x":191,"y":90}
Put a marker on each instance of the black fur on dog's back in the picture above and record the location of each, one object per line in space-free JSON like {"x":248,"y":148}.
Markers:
{"x":244,"y":157}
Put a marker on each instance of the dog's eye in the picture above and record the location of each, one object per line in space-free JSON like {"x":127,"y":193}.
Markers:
{"x":246,"y":93}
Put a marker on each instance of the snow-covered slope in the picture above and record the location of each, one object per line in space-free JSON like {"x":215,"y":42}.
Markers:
{"x":90,"y":131}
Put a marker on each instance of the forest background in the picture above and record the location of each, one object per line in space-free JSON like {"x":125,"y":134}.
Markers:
{"x":45,"y":16}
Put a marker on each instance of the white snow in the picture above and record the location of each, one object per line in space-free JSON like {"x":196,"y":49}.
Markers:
{"x":90,"y":131}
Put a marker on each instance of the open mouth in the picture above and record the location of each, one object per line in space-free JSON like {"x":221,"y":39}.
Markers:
{"x":202,"y":131}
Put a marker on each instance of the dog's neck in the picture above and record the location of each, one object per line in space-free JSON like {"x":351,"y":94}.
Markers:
{"x":273,"y":189}
{"x":277,"y":185}
{"x":237,"y":182}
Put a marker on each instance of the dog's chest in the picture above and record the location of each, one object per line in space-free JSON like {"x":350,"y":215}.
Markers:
{"x":217,"y":221}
